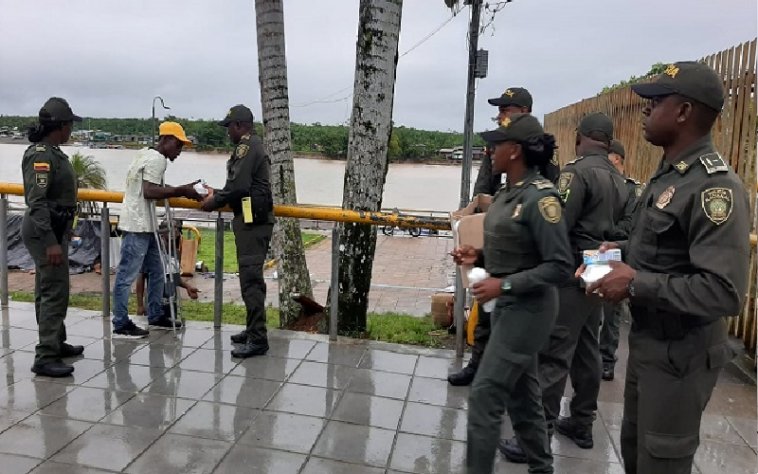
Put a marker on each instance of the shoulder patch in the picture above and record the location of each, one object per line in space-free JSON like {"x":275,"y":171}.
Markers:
{"x":41,"y":179}
{"x":542,"y":184}
{"x":550,"y":208}
{"x":714,"y":163}
{"x":564,"y":181}
{"x":717,"y":204}
{"x":241,"y":151}
{"x":41,"y":167}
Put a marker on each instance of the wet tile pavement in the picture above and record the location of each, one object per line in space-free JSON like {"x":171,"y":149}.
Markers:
{"x":182,"y":404}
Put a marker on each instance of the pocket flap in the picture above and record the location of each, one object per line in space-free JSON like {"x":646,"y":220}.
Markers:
{"x":665,"y":446}
{"x":660,"y":222}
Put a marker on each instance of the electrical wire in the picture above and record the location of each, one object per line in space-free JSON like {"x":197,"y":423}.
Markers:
{"x":422,"y":41}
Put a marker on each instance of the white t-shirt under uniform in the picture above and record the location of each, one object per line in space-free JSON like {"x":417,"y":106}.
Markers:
{"x":149,"y":165}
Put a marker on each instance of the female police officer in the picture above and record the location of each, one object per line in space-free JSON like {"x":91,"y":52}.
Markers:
{"x":50,"y":191}
{"x":526,"y":252}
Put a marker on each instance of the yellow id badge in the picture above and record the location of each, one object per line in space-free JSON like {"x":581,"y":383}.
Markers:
{"x":247,"y":210}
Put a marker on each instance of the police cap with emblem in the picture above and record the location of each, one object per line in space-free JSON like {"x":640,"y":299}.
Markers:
{"x":238,"y":113}
{"x":690,"y":79}
{"x":57,"y":110}
{"x":617,"y":148}
{"x":516,"y":128}
{"x":517,"y":96}
{"x":596,"y":122}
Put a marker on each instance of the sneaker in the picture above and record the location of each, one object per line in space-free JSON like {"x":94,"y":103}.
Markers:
{"x":165,"y":323}
{"x":131,"y":331}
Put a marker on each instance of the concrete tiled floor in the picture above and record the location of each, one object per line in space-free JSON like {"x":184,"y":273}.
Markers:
{"x":182,"y":404}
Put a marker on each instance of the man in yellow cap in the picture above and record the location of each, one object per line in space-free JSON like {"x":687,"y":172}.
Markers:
{"x":139,"y":248}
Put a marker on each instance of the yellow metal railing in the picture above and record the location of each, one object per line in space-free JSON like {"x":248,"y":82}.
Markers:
{"x":300,"y":212}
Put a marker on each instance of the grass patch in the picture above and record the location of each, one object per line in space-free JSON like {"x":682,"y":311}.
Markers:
{"x":386,"y":327}
{"x":207,"y":250}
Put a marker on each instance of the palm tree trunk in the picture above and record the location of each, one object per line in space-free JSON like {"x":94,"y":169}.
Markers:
{"x":367,"y":165}
{"x":292,"y":269}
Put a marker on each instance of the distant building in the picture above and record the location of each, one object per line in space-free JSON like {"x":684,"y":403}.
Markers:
{"x":456,"y":154}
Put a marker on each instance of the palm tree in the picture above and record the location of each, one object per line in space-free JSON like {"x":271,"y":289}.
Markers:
{"x":367,"y":165}
{"x":292,"y":274}
{"x":89,"y":174}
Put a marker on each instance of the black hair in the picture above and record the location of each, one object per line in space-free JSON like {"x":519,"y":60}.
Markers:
{"x":37,"y":131}
{"x":538,"y":153}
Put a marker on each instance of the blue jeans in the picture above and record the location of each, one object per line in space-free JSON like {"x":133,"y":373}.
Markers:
{"x":139,"y":253}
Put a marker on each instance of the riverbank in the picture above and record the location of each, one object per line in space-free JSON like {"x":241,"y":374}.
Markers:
{"x":224,"y":153}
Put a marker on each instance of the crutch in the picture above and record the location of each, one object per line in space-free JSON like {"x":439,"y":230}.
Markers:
{"x":166,"y":263}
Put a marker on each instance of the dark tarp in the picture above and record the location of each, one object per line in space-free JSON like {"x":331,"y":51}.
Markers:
{"x":81,"y":258}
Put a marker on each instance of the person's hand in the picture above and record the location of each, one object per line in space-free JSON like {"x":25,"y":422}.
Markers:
{"x":55,"y":255}
{"x":192,"y":292}
{"x":188,"y":191}
{"x":604,"y":247}
{"x":614,"y":286}
{"x":207,"y":205}
{"x":487,"y":290}
{"x":464,"y":255}
{"x":140,"y":310}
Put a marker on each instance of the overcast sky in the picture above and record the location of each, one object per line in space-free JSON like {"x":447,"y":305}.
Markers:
{"x":109,"y":58}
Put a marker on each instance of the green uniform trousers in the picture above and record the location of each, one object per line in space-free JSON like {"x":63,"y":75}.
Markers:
{"x":252,"y":246}
{"x":482,"y":332}
{"x":668,"y":385}
{"x":507,"y":380}
{"x":609,"y":333}
{"x":51,"y":291}
{"x":573,"y":349}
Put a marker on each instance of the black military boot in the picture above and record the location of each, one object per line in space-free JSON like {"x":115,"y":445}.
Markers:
{"x":462,"y":378}
{"x":608,"y":372}
{"x":250,"y":349}
{"x":512,"y":451}
{"x":67,"y":350}
{"x":53,"y":369}
{"x":239,"y":338}
{"x":579,"y":434}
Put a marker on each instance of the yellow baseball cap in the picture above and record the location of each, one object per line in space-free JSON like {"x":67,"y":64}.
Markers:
{"x":173,"y":129}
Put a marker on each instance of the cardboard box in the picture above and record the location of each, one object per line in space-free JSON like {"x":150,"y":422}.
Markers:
{"x":468,"y":228}
{"x":440,"y":313}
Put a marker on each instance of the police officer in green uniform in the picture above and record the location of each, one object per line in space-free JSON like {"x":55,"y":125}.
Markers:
{"x":50,"y":188}
{"x":527,"y":253}
{"x":248,"y":193}
{"x":609,"y":333}
{"x":594,"y":199}
{"x":515,"y":100}
{"x":686,"y":270}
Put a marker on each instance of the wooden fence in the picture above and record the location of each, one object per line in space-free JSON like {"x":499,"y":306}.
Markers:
{"x":734,"y":136}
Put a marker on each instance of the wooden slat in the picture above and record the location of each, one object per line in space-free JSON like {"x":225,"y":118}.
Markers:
{"x":734,"y":135}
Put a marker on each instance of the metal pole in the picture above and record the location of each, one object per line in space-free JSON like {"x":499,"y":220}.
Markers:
{"x":468,"y":131}
{"x":334,"y":309}
{"x":218,"y":293}
{"x":105,"y":258}
{"x":3,"y":250}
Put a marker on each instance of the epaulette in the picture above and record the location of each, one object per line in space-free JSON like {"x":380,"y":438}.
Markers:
{"x":574,"y":161}
{"x":245,"y":137}
{"x":632,"y":180}
{"x":542,"y":184}
{"x":714,"y":163}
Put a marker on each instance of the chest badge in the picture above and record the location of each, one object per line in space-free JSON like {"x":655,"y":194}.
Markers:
{"x":665,"y":198}
{"x":717,"y":204}
{"x":516,"y":211}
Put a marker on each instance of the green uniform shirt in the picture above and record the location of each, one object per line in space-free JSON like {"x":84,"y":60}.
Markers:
{"x":625,"y":225}
{"x":247,"y":174}
{"x":50,"y":185}
{"x":689,"y":242}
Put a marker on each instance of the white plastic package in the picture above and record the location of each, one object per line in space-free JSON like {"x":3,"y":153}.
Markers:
{"x":475,"y":275}
{"x":597,"y":264}
{"x":200,"y":188}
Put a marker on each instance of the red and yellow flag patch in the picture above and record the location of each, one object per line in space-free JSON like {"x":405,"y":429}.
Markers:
{"x":41,"y":167}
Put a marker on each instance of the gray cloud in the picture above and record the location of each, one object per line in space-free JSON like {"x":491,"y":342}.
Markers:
{"x":110,"y":58}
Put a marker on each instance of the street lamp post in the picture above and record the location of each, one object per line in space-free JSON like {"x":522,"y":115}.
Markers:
{"x":153,"y":122}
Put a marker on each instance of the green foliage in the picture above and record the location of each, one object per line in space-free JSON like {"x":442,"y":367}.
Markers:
{"x":655,"y":69}
{"x":89,"y":172}
{"x":406,"y":143}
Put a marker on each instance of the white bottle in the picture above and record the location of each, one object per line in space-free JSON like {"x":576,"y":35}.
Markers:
{"x":475,"y":275}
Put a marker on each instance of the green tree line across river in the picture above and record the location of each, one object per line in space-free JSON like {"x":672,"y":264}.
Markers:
{"x":406,"y":143}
